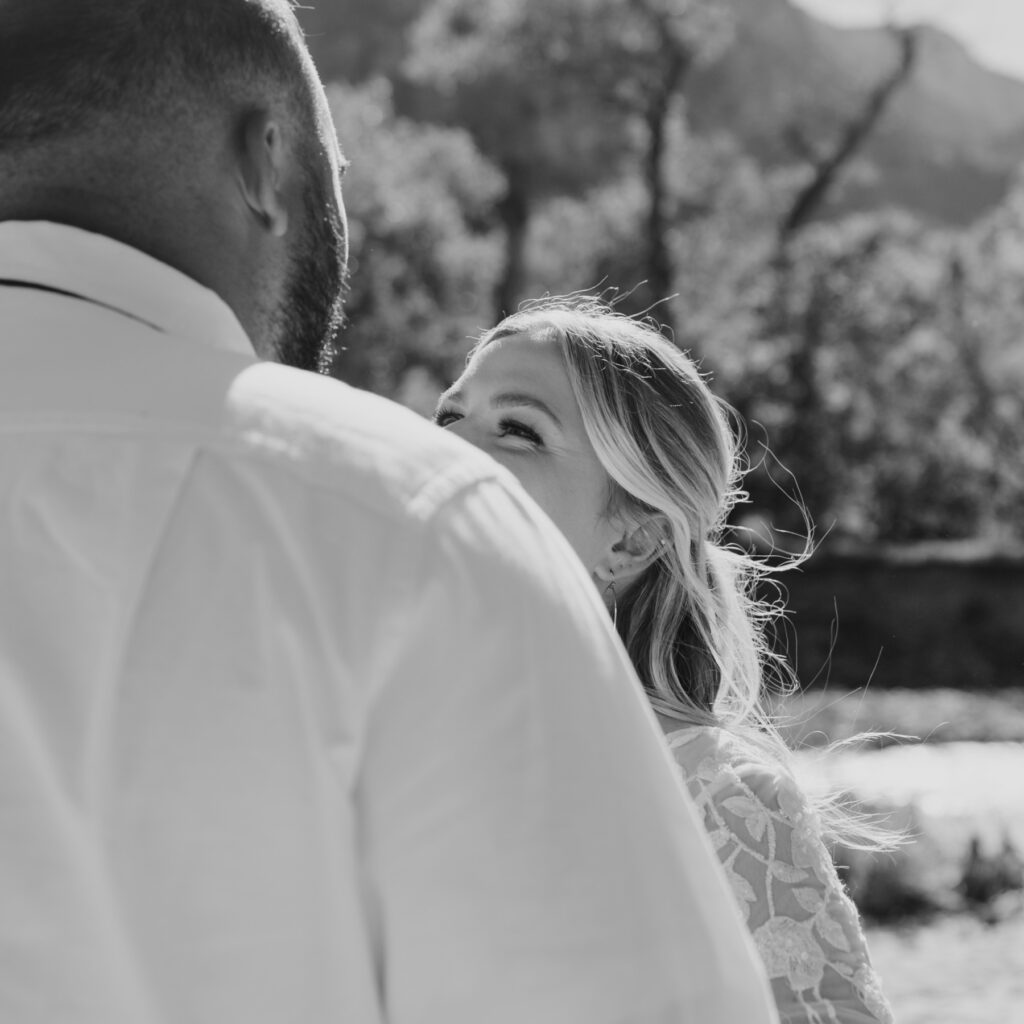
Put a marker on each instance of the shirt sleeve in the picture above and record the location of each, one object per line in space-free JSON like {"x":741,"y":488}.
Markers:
{"x":805,"y":927}
{"x":530,"y":854}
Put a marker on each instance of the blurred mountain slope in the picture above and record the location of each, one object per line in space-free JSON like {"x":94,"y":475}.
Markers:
{"x":946,"y":148}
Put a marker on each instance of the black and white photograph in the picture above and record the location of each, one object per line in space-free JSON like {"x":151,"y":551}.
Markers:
{"x":511,"y":512}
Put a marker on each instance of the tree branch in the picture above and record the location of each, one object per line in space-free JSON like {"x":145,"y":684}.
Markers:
{"x":828,"y":168}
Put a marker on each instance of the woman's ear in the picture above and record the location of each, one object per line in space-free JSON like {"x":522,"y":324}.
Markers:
{"x":263,"y":166}
{"x":639,"y":545}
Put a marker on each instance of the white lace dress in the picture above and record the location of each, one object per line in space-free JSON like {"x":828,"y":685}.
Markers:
{"x":770,"y":842}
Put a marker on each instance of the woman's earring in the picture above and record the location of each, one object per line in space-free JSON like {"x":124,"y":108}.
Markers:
{"x":615,"y":603}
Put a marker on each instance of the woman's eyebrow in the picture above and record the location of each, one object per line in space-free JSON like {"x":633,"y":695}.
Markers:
{"x":508,"y":399}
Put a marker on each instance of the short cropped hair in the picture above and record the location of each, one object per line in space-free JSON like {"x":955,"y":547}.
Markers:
{"x":66,"y":63}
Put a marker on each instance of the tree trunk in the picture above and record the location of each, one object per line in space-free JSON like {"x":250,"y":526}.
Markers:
{"x":659,"y":260}
{"x":514,"y":211}
{"x":810,"y":443}
{"x":829,"y":167}
{"x":659,"y":265}
{"x":805,"y":444}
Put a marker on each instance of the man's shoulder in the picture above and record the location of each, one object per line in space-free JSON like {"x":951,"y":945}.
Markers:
{"x":331,"y":436}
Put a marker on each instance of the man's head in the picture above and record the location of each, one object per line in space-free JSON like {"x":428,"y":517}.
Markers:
{"x":195,"y":130}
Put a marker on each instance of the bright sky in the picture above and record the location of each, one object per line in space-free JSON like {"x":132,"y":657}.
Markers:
{"x":993,"y":30}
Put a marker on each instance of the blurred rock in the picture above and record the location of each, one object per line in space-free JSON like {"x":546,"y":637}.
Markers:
{"x":912,"y":881}
{"x":991,"y":884}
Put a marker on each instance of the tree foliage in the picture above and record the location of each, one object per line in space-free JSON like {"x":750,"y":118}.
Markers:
{"x":423,"y":257}
{"x":566,"y":94}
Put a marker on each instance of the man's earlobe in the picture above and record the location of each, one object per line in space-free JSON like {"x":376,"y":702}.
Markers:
{"x":263,"y":163}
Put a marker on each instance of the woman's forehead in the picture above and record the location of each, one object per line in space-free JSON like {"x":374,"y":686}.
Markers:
{"x":523,"y":364}
{"x":526,"y":352}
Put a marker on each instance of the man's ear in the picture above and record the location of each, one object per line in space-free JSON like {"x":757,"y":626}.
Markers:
{"x":263,"y":170}
{"x":639,"y":546}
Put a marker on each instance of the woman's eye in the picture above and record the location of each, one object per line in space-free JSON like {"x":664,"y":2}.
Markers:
{"x":513,"y":428}
{"x":446,"y":417}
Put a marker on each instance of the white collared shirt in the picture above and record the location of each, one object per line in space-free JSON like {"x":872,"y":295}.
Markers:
{"x":306,"y":713}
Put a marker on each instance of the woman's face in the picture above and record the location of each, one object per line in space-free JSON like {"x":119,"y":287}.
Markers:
{"x":515,"y":402}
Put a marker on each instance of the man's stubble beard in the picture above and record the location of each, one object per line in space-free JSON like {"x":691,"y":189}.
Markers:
{"x":312,"y":312}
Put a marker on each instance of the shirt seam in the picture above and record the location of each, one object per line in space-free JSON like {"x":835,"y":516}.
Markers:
{"x":423,"y":504}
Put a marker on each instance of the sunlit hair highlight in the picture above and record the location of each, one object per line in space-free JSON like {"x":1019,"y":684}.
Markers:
{"x":698,"y":623}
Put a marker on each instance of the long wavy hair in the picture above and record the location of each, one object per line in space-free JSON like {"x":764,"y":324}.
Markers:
{"x":699,"y":622}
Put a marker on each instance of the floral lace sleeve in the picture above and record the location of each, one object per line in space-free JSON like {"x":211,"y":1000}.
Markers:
{"x":769,"y":840}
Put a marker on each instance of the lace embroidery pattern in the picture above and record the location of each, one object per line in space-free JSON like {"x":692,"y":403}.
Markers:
{"x":770,"y":843}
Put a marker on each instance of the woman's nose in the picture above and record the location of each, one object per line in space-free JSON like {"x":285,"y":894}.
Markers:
{"x":474,"y":433}
{"x":466,"y":430}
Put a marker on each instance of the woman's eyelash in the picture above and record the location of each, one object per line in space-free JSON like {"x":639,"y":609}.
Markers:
{"x":442,"y":417}
{"x":517,"y":429}
{"x":506,"y":427}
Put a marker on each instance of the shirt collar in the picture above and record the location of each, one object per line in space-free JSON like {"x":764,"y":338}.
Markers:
{"x":113,"y":274}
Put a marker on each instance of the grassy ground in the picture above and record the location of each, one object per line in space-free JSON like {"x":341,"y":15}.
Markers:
{"x":957,"y":970}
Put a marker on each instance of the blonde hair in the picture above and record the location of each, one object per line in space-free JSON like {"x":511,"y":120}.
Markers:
{"x":694,"y":624}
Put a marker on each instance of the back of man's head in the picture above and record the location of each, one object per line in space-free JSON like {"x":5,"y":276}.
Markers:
{"x":68,"y":65}
{"x":132,"y":107}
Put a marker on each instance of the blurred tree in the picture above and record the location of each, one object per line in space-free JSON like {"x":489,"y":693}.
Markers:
{"x":826,"y":162}
{"x":867,"y":289}
{"x":983,"y":313}
{"x":423,"y":260}
{"x":919,"y":378}
{"x":564,"y":95}
{"x":719,"y":238}
{"x":357,"y":40}
{"x":798,"y":316}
